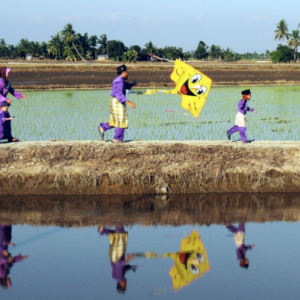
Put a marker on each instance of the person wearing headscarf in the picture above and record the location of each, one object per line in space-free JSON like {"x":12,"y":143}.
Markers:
{"x":117,"y":106}
{"x":6,"y":259}
{"x":6,"y":88}
{"x":241,"y":248}
{"x":240,"y":118}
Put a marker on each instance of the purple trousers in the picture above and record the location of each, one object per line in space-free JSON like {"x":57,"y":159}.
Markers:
{"x":119,"y":133}
{"x":242,"y":131}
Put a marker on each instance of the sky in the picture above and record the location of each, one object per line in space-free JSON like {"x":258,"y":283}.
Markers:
{"x":241,"y":25}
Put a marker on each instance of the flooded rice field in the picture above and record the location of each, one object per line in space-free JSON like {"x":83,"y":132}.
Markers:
{"x":221,"y":246}
{"x":75,"y":115}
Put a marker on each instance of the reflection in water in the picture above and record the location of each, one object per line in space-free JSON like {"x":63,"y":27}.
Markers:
{"x":241,"y":248}
{"x":190,"y":262}
{"x":95,"y":210}
{"x":117,"y":249}
{"x":7,"y":260}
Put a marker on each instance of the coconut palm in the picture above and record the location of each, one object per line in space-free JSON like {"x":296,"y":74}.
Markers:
{"x":69,"y":38}
{"x":281,"y":33}
{"x":92,"y":46}
{"x":102,"y":44}
{"x":214,"y":51}
{"x":82,"y":42}
{"x":294,"y":42}
{"x":150,"y":48}
{"x":55,"y":46}
{"x":69,"y":53}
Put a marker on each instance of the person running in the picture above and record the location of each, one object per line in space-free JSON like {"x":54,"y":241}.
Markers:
{"x":117,"y":106}
{"x":241,"y":248}
{"x":3,"y":111}
{"x":6,"y":88}
{"x":240,"y":118}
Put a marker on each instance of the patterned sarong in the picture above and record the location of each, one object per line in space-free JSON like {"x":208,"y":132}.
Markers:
{"x":118,"y":243}
{"x":118,"y":115}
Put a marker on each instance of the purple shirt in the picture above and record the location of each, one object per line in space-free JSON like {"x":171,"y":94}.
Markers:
{"x":240,"y":251}
{"x":243,"y":107}
{"x":5,"y":88}
{"x":119,"y":89}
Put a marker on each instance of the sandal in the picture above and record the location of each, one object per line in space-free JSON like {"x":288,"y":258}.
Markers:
{"x":101,"y":134}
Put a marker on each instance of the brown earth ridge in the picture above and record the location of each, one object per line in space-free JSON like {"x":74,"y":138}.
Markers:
{"x":49,"y":76}
{"x":150,"y":167}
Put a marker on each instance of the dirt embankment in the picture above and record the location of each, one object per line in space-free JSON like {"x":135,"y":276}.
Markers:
{"x":100,"y":75}
{"x":175,"y":210}
{"x":90,"y":167}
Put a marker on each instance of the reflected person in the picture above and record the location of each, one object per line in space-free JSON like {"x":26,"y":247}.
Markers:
{"x":241,"y":248}
{"x":118,"y":239}
{"x":6,"y":259}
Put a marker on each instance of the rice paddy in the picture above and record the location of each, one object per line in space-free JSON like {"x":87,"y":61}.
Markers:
{"x":75,"y":115}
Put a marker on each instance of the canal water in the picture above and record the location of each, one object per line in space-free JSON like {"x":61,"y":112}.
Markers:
{"x":230,"y":246}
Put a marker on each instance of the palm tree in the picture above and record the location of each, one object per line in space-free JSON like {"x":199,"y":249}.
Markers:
{"x":55,"y":46}
{"x":82,"y":42}
{"x":281,"y":33}
{"x":229,"y":55}
{"x":69,"y":37}
{"x":214,"y":51}
{"x":294,"y":42}
{"x":69,"y":53}
{"x":92,"y":46}
{"x":102,"y":44}
{"x":150,"y":48}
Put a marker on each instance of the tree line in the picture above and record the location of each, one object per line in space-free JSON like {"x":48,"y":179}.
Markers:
{"x":289,"y":52}
{"x":71,"y":46}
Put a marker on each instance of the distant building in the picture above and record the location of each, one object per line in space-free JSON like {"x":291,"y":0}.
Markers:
{"x":102,"y":56}
{"x":28,"y":56}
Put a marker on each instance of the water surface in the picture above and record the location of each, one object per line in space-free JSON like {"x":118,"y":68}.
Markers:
{"x":82,"y":247}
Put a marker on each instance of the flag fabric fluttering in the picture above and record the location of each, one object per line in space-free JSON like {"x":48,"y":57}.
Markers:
{"x":190,"y":84}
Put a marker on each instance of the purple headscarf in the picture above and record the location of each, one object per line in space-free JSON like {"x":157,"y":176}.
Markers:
{"x":4,"y":71}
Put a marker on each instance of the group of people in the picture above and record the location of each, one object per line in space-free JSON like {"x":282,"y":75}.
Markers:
{"x":117,"y":104}
{"x":190,"y":262}
{"x":118,"y":116}
{"x":5,"y":118}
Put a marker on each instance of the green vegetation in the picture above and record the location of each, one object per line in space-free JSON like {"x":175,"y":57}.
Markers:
{"x":71,"y":46}
{"x":62,"y":115}
{"x":284,"y":53}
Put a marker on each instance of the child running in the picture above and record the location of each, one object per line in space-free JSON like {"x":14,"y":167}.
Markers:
{"x":240,"y":118}
{"x":3,"y":118}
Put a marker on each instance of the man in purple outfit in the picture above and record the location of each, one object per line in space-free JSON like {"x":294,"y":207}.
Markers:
{"x":119,"y":264}
{"x":240,"y":118}
{"x":117,"y":106}
{"x":241,"y":248}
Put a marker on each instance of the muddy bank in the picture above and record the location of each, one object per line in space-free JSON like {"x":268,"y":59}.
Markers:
{"x":175,"y":210}
{"x":31,"y":76}
{"x":164,"y":167}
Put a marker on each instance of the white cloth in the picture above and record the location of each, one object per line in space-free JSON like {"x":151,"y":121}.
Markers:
{"x":239,"y":238}
{"x":240,"y":120}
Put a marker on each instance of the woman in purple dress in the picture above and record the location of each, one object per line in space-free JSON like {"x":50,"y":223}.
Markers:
{"x":6,"y":88}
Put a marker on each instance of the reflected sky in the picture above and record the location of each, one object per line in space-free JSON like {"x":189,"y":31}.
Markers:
{"x":76,"y":262}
